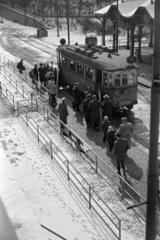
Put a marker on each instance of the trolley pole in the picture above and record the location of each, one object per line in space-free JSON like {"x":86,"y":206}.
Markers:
{"x":151,"y":223}
{"x":117,"y":24}
{"x":68,"y":29}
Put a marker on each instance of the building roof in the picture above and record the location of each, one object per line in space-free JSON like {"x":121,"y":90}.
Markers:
{"x":128,"y":9}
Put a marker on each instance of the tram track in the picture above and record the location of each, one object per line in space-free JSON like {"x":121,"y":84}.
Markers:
{"x":87,"y":139}
{"x":34,"y":58}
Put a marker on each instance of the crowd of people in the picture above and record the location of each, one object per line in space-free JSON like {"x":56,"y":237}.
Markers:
{"x":95,"y":112}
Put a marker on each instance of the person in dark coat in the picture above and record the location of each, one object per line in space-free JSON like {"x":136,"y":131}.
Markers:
{"x":107,"y":107}
{"x":21,"y":67}
{"x":35,"y":72}
{"x":86,"y":109}
{"x":121,"y":147}
{"x":63,"y":112}
{"x":94,"y":107}
{"x":111,"y":138}
{"x":105,"y":124}
{"x":41,"y":71}
{"x":76,"y":97}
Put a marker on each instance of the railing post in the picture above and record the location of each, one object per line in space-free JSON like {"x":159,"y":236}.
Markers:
{"x":90,"y":204}
{"x":6,"y":93}
{"x":68,"y":170}
{"x":10,"y":77}
{"x":13,"y":104}
{"x":38,"y":132}
{"x":43,"y":112}
{"x":5,"y":73}
{"x":16,"y":85}
{"x":122,"y":188}
{"x":14,"y":68}
{"x":8,"y":63}
{"x":47,"y":116}
{"x":25,"y":77}
{"x":51,"y":149}
{"x":23,"y":91}
{"x":27,"y":118}
{"x":119,"y":229}
{"x":96,"y":165}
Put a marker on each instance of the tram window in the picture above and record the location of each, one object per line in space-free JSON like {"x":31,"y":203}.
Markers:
{"x":72,"y":65}
{"x":117,"y":78}
{"x":105,"y":79}
{"x":124,"y":78}
{"x":89,"y":73}
{"x":110,"y":79}
{"x":131,"y":78}
{"x":80,"y":69}
{"x":64,"y":62}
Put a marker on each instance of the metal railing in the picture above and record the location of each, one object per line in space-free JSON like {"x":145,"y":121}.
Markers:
{"x":94,"y":200}
{"x":8,"y":98}
{"x":117,"y":183}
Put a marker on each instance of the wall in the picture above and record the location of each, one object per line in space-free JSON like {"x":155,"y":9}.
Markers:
{"x":18,"y":17}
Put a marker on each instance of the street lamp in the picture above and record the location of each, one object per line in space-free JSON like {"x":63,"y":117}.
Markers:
{"x":57,"y":21}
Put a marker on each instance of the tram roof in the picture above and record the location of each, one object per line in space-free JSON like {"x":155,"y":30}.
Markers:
{"x":99,"y":60}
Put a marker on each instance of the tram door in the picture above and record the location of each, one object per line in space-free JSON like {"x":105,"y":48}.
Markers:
{"x":98,"y":79}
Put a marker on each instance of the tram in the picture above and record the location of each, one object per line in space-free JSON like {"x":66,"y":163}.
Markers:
{"x":100,"y":69}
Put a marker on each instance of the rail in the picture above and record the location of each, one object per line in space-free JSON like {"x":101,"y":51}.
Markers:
{"x":8,"y":98}
{"x":73,"y":175}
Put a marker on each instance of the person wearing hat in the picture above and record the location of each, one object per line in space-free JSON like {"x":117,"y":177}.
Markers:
{"x":107,"y":107}
{"x":86,"y":109}
{"x":94,"y":108}
{"x":120,"y":153}
{"x":111,"y":138}
{"x":52,"y":92}
{"x":126,"y":129}
{"x":63,"y":112}
{"x":105,"y":124}
{"x":41,"y":72}
{"x":20,"y":66}
{"x":76,"y":97}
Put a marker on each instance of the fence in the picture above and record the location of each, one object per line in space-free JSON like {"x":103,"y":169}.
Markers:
{"x":100,"y":166}
{"x":94,"y":200}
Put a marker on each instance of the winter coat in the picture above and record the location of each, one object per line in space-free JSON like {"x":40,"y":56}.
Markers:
{"x":20,"y":66}
{"x":111,"y":136}
{"x":94,"y":107}
{"x":126,"y":129}
{"x":105,"y":126}
{"x":63,"y":112}
{"x":120,"y":149}
{"x":41,"y":71}
{"x":86,"y":109}
{"x":51,"y":87}
{"x":107,"y":108}
{"x":35,"y":72}
{"x":76,"y":96}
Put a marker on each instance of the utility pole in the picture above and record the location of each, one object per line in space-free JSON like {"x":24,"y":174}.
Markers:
{"x":57,"y":20}
{"x":117,"y":24}
{"x":25,"y":12}
{"x":68,"y":30}
{"x":151,"y":223}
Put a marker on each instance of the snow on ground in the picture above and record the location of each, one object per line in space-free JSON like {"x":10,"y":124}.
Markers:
{"x":53,"y":200}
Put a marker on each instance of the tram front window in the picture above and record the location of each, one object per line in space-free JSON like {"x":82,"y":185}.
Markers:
{"x":132,"y":76}
{"x":124,"y":78}
{"x":117,"y":79}
{"x":107,"y":79}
